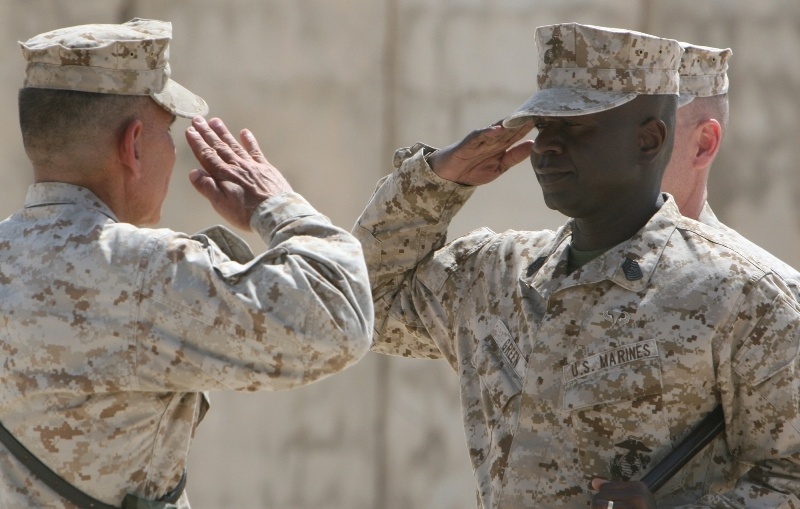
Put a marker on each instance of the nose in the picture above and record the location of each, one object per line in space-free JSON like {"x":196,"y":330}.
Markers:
{"x":548,"y":140}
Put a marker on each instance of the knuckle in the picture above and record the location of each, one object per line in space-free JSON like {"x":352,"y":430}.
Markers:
{"x":208,"y":152}
{"x":219,"y":146}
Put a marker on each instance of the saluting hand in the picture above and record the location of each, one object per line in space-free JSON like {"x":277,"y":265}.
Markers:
{"x":234,"y":177}
{"x":483,"y":155}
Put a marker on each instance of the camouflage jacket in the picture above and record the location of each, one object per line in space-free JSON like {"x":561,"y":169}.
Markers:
{"x":781,"y":268}
{"x":599,"y":373}
{"x":110,"y":333}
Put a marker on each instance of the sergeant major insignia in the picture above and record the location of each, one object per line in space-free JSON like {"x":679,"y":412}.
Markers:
{"x":631,"y":270}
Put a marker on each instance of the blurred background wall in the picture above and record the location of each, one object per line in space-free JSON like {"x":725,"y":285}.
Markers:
{"x":331,"y":88}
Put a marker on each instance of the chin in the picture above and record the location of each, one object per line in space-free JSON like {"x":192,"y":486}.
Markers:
{"x":554,"y":203}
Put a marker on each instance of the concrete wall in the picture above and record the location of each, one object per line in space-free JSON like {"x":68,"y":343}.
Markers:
{"x":331,"y":88}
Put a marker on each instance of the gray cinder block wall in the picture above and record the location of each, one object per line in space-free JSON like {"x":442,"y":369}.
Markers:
{"x":331,"y":89}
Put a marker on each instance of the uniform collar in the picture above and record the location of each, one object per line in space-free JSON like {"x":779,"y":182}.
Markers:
{"x":59,"y":193}
{"x":708,"y":217}
{"x":630,"y":264}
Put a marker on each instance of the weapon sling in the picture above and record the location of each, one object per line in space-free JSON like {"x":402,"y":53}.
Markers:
{"x":62,"y":487}
{"x":700,"y":436}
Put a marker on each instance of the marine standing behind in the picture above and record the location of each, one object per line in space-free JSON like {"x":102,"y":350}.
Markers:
{"x":703,"y":115}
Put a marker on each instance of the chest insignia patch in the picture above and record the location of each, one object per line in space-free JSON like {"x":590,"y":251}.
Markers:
{"x":617,"y":316}
{"x":634,"y":459}
{"x":631,"y":270}
{"x":647,"y":349}
{"x":509,"y":349}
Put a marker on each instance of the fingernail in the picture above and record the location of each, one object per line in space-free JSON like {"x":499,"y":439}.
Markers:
{"x":200,"y":120}
{"x":191,"y":130}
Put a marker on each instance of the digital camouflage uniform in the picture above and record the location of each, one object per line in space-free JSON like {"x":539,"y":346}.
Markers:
{"x":781,"y":268}
{"x":111,"y":333}
{"x":704,"y":73}
{"x":600,"y":372}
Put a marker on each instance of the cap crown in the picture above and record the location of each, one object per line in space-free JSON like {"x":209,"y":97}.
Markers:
{"x":572,"y":55}
{"x":704,"y":70}
{"x":128,"y":59}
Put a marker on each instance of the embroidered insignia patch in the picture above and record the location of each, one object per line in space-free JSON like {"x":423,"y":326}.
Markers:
{"x":610,"y":358}
{"x":625,"y":466}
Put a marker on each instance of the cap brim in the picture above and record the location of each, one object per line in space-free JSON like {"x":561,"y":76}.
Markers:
{"x":565,"y":102}
{"x":684,"y":99}
{"x":180,"y":101}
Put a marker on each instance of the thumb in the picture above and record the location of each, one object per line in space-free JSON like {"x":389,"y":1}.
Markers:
{"x":597,"y":482}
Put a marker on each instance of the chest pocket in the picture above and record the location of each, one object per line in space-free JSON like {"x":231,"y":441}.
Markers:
{"x":500,"y":365}
{"x":626,"y":373}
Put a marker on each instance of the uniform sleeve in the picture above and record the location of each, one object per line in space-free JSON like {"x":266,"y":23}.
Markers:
{"x":213,"y":316}
{"x":759,"y":378}
{"x":403,"y":232}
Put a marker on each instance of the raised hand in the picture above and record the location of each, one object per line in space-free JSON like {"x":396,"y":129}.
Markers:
{"x":234,"y":177}
{"x":483,"y":155}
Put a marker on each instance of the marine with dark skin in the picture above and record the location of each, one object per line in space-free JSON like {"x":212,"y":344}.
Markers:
{"x":603,"y":169}
{"x":585,"y":354}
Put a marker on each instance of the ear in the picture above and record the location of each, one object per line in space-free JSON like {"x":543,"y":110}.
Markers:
{"x":708,"y":136}
{"x":652,"y":136}
{"x":129,"y":148}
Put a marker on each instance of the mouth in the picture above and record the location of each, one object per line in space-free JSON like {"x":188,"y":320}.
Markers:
{"x":550,"y":176}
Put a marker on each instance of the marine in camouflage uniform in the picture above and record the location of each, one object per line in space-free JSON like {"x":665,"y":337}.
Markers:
{"x":111,"y":332}
{"x":702,"y":122}
{"x":599,"y":372}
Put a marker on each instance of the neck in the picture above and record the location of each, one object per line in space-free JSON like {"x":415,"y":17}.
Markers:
{"x":97,"y":178}
{"x":590,"y":234}
{"x":694,"y":203}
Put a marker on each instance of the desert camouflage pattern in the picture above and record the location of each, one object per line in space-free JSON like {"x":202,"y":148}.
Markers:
{"x":111,"y":333}
{"x":127,"y":59}
{"x":597,"y":58}
{"x":789,"y":274}
{"x":596,"y":373}
{"x":586,"y":69}
{"x":704,"y":70}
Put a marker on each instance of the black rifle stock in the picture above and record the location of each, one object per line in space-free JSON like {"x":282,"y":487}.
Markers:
{"x":694,"y":442}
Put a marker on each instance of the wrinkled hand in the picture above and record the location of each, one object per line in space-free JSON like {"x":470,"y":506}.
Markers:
{"x":625,"y":495}
{"x":483,"y":155}
{"x":234,"y":177}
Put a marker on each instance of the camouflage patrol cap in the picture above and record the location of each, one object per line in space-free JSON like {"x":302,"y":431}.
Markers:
{"x":703,"y":71}
{"x":586,"y":69}
{"x":127,"y":59}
